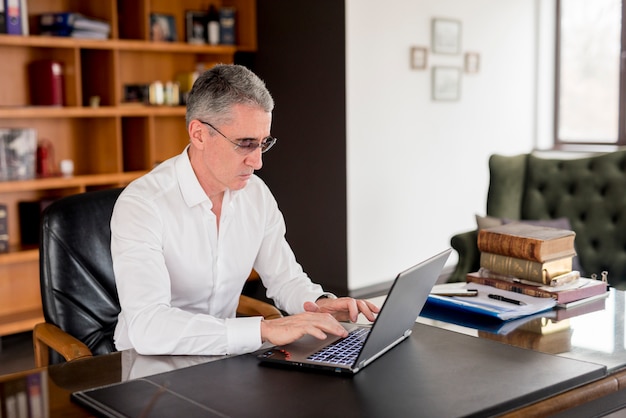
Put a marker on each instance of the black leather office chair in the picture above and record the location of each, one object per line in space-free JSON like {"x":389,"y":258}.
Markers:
{"x":78,"y":292}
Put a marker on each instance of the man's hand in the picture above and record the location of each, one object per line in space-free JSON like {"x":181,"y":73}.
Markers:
{"x":344,"y":309}
{"x":290,"y":328}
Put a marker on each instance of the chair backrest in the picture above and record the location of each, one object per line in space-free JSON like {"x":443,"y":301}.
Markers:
{"x":76,"y":271}
{"x":588,"y":191}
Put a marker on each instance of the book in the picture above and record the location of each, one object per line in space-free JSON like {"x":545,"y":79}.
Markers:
{"x":227,"y":26}
{"x":24,"y":16}
{"x":74,"y":25}
{"x":13,"y":17}
{"x":579,"y":289}
{"x":4,"y":229}
{"x":3,"y":17}
{"x":526,"y":241}
{"x":526,"y":269}
{"x":46,"y":82}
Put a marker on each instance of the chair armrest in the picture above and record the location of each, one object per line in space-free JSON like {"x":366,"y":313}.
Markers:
{"x":50,"y":336}
{"x":253,"y":307}
{"x":469,"y":256}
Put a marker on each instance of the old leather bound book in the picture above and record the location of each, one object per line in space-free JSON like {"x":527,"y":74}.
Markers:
{"x":526,"y":269}
{"x":526,"y":241}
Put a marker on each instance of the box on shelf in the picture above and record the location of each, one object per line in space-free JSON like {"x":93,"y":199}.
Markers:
{"x":18,"y":147}
{"x":30,"y":219}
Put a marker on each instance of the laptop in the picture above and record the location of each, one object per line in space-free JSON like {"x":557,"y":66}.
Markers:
{"x":365,"y":344}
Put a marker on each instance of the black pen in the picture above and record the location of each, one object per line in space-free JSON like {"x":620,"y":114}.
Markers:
{"x":505,"y":299}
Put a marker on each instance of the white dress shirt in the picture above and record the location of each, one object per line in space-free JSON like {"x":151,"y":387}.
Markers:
{"x":179,"y":280}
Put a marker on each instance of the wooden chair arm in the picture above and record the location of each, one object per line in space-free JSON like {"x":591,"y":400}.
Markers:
{"x":50,"y":336}
{"x":253,"y":307}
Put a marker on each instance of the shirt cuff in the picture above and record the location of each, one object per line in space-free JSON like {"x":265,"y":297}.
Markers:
{"x":244,"y":334}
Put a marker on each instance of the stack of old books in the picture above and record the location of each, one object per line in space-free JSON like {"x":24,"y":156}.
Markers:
{"x":532,"y":260}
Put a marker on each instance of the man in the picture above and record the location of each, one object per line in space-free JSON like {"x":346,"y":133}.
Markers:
{"x":186,"y":236}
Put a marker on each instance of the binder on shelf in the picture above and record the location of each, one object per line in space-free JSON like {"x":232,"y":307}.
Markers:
{"x":13,"y":17}
{"x":46,"y":82}
{"x":3,"y":17}
{"x":73,"y":24}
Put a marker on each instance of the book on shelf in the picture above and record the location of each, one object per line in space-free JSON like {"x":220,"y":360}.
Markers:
{"x":13,"y":17}
{"x":3,"y":17}
{"x":227,"y":16}
{"x":526,"y":269}
{"x":4,"y":229}
{"x":73,"y":25}
{"x":578,"y":289}
{"x":527,"y":241}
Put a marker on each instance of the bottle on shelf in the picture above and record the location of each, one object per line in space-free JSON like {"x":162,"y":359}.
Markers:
{"x":213,"y":26}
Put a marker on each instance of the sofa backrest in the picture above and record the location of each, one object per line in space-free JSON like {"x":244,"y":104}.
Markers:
{"x":590,"y":192}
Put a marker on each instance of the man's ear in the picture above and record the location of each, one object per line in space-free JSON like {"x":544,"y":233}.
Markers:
{"x":197,"y":134}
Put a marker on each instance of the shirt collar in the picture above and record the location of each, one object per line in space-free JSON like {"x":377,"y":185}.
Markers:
{"x":188,"y":182}
{"x":190,"y":187}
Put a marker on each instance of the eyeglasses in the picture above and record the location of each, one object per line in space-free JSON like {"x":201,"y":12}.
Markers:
{"x":246,"y":146}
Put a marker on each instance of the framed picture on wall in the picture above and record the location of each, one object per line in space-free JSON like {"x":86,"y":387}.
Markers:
{"x":446,"y":36}
{"x":472,"y":62}
{"x":419,"y":58}
{"x":446,"y":83}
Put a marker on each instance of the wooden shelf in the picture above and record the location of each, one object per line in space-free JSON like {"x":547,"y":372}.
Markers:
{"x":39,"y":41}
{"x":69,"y":182}
{"x":20,"y":321}
{"x":111,"y":144}
{"x":47,"y":112}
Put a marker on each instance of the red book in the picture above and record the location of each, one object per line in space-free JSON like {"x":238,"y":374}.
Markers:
{"x":46,"y":83}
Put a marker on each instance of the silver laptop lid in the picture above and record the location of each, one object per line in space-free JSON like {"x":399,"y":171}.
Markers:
{"x":403,"y":304}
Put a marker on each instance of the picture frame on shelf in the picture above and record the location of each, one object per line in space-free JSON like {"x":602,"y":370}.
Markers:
{"x":446,"y":83}
{"x":162,"y":28}
{"x":419,"y":58}
{"x":472,"y":62}
{"x":196,"y":27}
{"x":446,"y":36}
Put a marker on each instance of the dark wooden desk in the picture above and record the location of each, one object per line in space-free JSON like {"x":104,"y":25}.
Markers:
{"x":596,"y":337}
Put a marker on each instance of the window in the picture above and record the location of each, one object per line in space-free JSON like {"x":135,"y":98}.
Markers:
{"x":590,"y":99}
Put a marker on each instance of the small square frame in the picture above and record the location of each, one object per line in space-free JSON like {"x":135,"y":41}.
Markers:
{"x":472,"y":62}
{"x":419,"y":58}
{"x":162,"y":28}
{"x":446,"y":35}
{"x":195,"y":27}
{"x":446,"y":84}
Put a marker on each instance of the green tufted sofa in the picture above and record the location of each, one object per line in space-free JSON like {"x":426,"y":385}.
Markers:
{"x":590,"y":192}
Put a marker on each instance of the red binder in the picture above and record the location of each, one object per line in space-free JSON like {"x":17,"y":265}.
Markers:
{"x":46,"y":83}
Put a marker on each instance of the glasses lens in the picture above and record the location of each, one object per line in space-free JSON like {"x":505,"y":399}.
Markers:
{"x":267,"y":144}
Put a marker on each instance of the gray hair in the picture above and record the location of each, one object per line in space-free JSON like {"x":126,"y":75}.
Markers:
{"x":217,"y":90}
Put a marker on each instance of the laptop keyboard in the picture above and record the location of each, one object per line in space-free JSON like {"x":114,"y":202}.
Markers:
{"x":344,"y":351}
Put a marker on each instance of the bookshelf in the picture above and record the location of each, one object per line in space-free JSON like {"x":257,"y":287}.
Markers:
{"x":111,"y":144}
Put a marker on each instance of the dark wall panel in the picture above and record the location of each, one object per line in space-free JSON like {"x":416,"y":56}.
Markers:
{"x":301,"y":57}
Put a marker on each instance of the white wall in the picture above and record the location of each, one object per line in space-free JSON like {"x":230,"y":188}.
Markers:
{"x":417,"y":169}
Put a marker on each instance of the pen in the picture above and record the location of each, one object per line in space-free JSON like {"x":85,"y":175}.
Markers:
{"x":505,"y":299}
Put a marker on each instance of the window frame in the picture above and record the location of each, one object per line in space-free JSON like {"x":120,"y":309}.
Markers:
{"x":621,"y":131}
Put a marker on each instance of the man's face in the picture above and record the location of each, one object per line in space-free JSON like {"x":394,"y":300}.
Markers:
{"x":221,"y":165}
